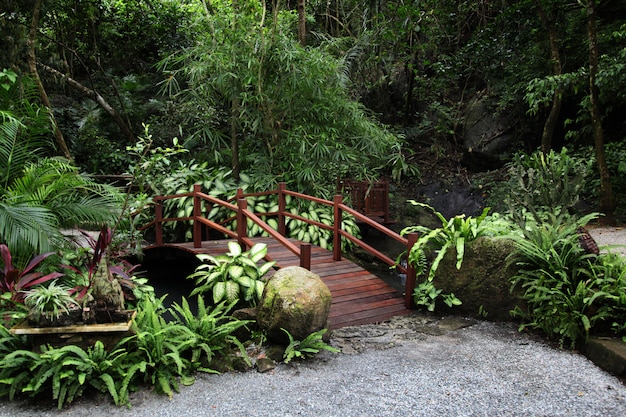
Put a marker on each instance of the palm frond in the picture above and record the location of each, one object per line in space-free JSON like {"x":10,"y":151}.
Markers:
{"x":26,"y":229}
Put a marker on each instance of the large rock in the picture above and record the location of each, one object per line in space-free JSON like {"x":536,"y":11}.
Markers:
{"x":294,"y":299}
{"x":489,"y":137}
{"x":483,"y":283}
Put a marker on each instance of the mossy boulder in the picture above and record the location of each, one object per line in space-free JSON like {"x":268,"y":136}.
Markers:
{"x":296,"y":300}
{"x":484,"y":280}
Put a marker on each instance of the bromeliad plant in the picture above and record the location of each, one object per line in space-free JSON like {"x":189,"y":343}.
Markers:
{"x":452,"y":235}
{"x":50,"y":301}
{"x":233,"y":277}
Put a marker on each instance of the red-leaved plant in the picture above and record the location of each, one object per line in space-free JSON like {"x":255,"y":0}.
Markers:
{"x":16,"y":282}
{"x":122,"y":269}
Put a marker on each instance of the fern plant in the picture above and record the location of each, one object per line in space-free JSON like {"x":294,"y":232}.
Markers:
{"x":212,"y":329}
{"x":157,"y":352}
{"x":65,"y":372}
{"x":233,"y":276}
{"x":308,"y":347}
{"x":545,"y":183}
{"x":68,"y":370}
{"x":561,"y":283}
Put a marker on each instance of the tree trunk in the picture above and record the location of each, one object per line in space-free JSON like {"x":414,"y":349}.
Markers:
{"x":119,"y":120}
{"x":302,"y":22}
{"x":607,"y":204}
{"x":32,"y":66}
{"x":234,"y":140}
{"x":553,"y":116}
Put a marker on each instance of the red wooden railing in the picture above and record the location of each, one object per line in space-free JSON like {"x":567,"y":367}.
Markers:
{"x":242,"y":215}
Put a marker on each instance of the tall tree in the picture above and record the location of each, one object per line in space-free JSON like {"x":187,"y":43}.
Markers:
{"x":548,"y":14}
{"x":32,"y":65}
{"x":607,"y":203}
{"x":302,"y":22}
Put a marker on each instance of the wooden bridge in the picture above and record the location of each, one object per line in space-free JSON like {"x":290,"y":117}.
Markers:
{"x":358,"y":296}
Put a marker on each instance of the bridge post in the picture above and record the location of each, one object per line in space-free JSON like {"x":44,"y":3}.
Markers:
{"x":197,"y":212}
{"x":242,"y":222}
{"x":305,"y":256}
{"x":158,"y":221}
{"x":337,"y":200}
{"x":282,"y":206}
{"x":410,"y":273}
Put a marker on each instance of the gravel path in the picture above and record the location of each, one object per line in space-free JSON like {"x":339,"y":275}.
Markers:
{"x":411,"y":366}
{"x":611,"y":239}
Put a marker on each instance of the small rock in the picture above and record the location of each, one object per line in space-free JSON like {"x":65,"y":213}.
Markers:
{"x":264,"y":365}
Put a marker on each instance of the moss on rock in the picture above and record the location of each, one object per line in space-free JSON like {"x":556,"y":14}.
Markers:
{"x":483,"y":282}
{"x":294,"y":299}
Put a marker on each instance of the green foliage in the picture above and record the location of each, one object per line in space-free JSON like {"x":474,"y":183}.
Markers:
{"x":156,"y":352}
{"x":235,"y":276}
{"x":287,"y":107}
{"x":299,"y":229}
{"x":545,"y":183}
{"x":308,"y":347}
{"x":50,"y":300}
{"x":566,"y":290}
{"x":212,"y":329}
{"x":65,"y":371}
{"x":159,"y":353}
{"x":426,"y":294}
{"x":152,"y":164}
{"x":451,"y":236}
{"x":616,"y":163}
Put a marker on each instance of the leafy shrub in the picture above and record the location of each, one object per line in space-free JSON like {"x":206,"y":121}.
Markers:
{"x":156,"y":352}
{"x":65,"y":372}
{"x":298,"y":229}
{"x":545,"y":183}
{"x":234,"y":276}
{"x":50,"y":300}
{"x":567,"y":291}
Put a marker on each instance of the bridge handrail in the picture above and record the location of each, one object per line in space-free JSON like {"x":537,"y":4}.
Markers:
{"x":242,"y":214}
{"x":340,"y":207}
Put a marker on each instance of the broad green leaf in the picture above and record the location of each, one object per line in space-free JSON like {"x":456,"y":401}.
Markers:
{"x":234,"y":249}
{"x":219,"y":291}
{"x":235,"y":271}
{"x":231,"y":290}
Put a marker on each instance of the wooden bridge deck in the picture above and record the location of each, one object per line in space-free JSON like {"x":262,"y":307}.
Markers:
{"x":359,"y":297}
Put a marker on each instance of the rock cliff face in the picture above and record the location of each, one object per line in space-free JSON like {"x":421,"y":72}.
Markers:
{"x":296,"y":300}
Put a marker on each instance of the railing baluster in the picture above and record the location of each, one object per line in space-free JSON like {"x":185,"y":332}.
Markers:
{"x":305,"y":256}
{"x":242,"y":222}
{"x":282,"y":206}
{"x":197,"y":213}
{"x":338,"y":199}
{"x":158,"y":221}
